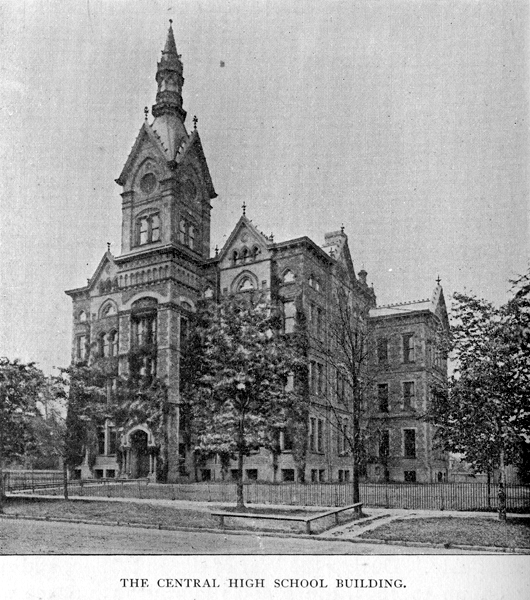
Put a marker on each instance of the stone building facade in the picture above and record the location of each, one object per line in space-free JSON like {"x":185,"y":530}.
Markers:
{"x":141,"y":304}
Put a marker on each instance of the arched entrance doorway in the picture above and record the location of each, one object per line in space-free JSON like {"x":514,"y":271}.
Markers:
{"x":140,"y":464}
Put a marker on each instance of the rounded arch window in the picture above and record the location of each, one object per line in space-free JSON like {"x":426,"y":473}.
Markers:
{"x":81,"y":317}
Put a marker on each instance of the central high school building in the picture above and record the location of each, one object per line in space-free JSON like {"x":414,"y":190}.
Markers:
{"x":142,"y":302}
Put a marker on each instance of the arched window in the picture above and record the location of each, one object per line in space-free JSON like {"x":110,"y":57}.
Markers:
{"x":148,"y":229}
{"x":288,"y":276}
{"x":81,"y":317}
{"x":235,"y":256}
{"x":244,"y":254}
{"x":113,"y":343}
{"x":191,"y":240}
{"x":255,"y":252}
{"x":245,"y":285}
{"x":109,"y":310}
{"x":103,"y":345}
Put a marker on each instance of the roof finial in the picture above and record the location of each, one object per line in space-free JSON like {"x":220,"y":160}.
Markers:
{"x":108,"y":246}
{"x":195,"y":121}
{"x":216,"y":250}
{"x":244,"y":207}
{"x":146,"y":112}
{"x":170,"y":22}
{"x":342,"y":228}
{"x":271,"y":237}
{"x":438,"y":280}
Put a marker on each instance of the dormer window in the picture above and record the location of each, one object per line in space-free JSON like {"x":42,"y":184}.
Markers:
{"x":148,"y":229}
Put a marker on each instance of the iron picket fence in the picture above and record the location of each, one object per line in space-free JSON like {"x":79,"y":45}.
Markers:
{"x":419,"y":496}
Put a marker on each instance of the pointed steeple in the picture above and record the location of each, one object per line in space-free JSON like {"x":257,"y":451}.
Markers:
{"x":170,"y":80}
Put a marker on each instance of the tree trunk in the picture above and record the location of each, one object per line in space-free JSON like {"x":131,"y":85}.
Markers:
{"x":355,"y":449}
{"x":65,"y":480}
{"x":502,"y":483}
{"x":1,"y":466}
{"x":240,"y":458}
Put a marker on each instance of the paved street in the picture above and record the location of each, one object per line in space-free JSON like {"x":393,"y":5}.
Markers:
{"x":37,"y":537}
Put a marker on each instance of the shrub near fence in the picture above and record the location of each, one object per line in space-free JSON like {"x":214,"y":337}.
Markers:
{"x":435,"y":496}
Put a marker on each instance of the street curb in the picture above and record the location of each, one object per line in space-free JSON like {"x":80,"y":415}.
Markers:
{"x":318,"y":537}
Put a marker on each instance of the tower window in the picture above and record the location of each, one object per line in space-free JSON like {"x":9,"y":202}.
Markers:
{"x":408,"y":395}
{"x":148,"y":229}
{"x":187,"y":234}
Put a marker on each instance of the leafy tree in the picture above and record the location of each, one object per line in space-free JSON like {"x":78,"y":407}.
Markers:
{"x":20,"y":388}
{"x":484,"y":413}
{"x":347,"y":349}
{"x":239,"y":398}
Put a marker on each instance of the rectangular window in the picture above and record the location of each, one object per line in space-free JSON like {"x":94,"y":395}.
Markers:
{"x":155,"y":228}
{"x":111,"y":474}
{"x":340,"y":387}
{"x":101,"y":440}
{"x":346,"y":476}
{"x":408,"y":395}
{"x":319,"y":324}
{"x":409,"y":443}
{"x":312,"y":434}
{"x":321,"y":382}
{"x":112,"y":440}
{"x":408,"y":347}
{"x":321,"y":475}
{"x":233,"y":474}
{"x":80,"y":347}
{"x":287,"y":474}
{"x":184,"y":331}
{"x":313,"y":374}
{"x":314,"y":476}
{"x":287,"y":440}
{"x":382,"y":350}
{"x":289,"y":316}
{"x":382,"y":397}
{"x":252,"y":474}
{"x":98,"y":473}
{"x":320,"y":436}
{"x":144,"y":230}
{"x":341,"y":475}
{"x":410,"y":476}
{"x":206,"y":474}
{"x":384,"y":443}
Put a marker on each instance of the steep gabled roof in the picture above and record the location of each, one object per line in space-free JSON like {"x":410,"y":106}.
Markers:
{"x":105,"y":259}
{"x":243,"y":223}
{"x":193,"y":143}
{"x":146,"y":131}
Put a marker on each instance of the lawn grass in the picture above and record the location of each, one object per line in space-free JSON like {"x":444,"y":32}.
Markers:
{"x":122,"y":512}
{"x":514,"y":533}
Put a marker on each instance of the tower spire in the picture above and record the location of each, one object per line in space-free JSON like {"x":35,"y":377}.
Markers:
{"x":170,"y":80}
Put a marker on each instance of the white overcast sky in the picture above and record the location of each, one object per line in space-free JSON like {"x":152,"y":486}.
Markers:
{"x":405,"y":120}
